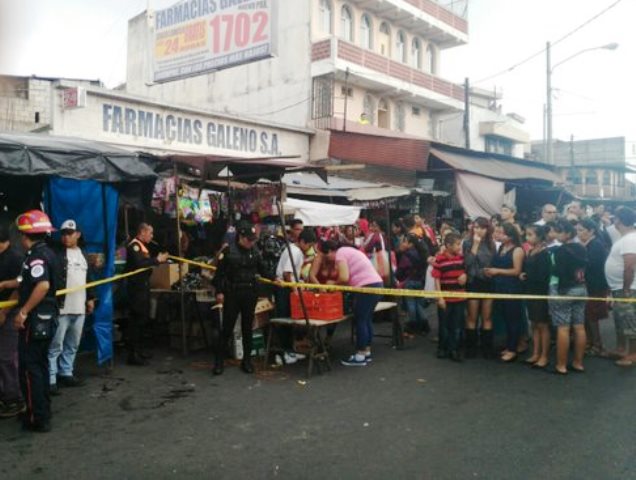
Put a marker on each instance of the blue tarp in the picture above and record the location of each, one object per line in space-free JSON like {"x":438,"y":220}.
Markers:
{"x":93,"y":206}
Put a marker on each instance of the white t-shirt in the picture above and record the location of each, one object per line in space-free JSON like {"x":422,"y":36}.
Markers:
{"x":285,"y":266}
{"x":76,"y":269}
{"x":613,"y":233}
{"x":615,"y":264}
{"x":540,"y":223}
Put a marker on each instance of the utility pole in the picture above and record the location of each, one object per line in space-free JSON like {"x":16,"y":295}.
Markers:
{"x":344,"y":123}
{"x":548,"y":108}
{"x":467,"y":111}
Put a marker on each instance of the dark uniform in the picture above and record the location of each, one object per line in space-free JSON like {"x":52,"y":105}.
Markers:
{"x":138,"y":256}
{"x":236,"y":278}
{"x":34,"y":340}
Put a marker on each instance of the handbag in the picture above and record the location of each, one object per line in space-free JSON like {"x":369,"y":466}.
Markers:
{"x":383,"y":262}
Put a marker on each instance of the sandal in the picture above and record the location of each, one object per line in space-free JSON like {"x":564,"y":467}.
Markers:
{"x":623,"y":362}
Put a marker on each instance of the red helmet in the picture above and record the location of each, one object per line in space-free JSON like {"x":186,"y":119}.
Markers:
{"x":34,"y":221}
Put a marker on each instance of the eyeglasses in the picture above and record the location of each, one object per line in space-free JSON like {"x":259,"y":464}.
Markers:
{"x":551,"y":211}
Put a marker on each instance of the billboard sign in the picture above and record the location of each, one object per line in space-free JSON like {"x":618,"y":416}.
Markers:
{"x":193,"y":37}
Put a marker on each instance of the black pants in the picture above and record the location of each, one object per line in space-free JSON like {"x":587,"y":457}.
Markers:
{"x":237,"y":301}
{"x":139,"y":301}
{"x":34,"y":376}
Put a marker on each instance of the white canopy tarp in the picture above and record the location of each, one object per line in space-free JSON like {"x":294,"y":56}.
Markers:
{"x":316,"y":214}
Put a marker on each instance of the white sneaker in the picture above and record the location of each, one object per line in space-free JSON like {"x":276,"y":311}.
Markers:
{"x":300,"y":356}
{"x":290,"y":358}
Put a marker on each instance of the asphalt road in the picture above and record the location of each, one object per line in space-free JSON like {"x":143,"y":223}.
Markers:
{"x":406,"y":416}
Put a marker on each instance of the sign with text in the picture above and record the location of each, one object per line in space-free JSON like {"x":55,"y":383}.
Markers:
{"x":199,"y":36}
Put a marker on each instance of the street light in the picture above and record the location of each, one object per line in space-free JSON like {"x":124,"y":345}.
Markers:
{"x":550,"y":68}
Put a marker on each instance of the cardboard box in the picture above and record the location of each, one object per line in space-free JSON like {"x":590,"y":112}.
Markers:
{"x":166,"y":275}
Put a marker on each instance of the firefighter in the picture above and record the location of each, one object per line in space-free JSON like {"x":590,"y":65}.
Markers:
{"x":137,"y":257}
{"x":35,"y":316}
{"x":239,"y":265}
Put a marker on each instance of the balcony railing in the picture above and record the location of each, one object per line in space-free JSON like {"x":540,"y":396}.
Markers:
{"x":373,"y":61}
{"x":441,"y":13}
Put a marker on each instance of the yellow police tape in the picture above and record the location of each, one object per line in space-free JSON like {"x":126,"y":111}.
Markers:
{"x":396,"y":292}
{"x":393,"y":292}
{"x":97,"y":283}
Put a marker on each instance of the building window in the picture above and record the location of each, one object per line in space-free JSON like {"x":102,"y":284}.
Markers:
{"x":498,"y":145}
{"x":400,"y":117}
{"x":416,"y":111}
{"x":416,"y":53}
{"x":606,"y":178}
{"x":400,"y":47}
{"x":621,"y":181}
{"x":346,"y":24}
{"x":591,"y":178}
{"x":431,"y":63}
{"x":322,"y":98}
{"x":366,"y":40}
{"x":368,"y":106}
{"x":384,"y":114}
{"x":325,"y":16}
{"x":385,"y":39}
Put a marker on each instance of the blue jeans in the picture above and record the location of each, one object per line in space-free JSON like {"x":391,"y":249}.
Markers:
{"x":363,"y":308}
{"x":64,"y":346}
{"x":415,"y":306}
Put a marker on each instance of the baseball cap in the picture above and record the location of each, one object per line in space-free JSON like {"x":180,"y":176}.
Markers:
{"x":246,"y":229}
{"x":69,"y":225}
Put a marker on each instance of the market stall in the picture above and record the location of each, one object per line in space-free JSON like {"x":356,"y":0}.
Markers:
{"x":64,"y":176}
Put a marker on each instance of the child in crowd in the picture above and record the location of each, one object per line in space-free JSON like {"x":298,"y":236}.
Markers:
{"x":536,"y":278}
{"x":450,"y":276}
{"x":570,"y":261}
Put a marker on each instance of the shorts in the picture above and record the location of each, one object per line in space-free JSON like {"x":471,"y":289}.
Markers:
{"x":538,"y":311}
{"x":595,"y":311}
{"x":625,"y":313}
{"x":568,"y":313}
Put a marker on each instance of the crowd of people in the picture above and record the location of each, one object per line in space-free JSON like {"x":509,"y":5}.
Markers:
{"x":581,"y":259}
{"x":581,"y":263}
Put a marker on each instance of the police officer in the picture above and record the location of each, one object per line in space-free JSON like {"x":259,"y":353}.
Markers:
{"x":239,"y":265}
{"x":34,"y":317}
{"x":137,"y":257}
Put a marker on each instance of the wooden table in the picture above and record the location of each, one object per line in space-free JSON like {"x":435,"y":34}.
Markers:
{"x":318,"y":353}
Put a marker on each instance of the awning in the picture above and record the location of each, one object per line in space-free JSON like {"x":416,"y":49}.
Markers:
{"x":29,"y":154}
{"x":495,"y":168}
{"x":317,"y":214}
{"x":308,"y":183}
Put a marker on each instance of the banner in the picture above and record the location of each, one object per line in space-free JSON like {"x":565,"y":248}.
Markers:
{"x":199,"y":36}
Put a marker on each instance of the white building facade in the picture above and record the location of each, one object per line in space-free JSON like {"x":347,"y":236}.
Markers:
{"x":332,"y":61}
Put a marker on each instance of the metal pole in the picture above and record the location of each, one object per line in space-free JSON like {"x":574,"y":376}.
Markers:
{"x":549,"y":159}
{"x":344,"y":123}
{"x":467,"y":111}
{"x":184,"y":339}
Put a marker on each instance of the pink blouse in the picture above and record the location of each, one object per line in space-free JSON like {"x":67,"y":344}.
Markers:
{"x":361,"y":270}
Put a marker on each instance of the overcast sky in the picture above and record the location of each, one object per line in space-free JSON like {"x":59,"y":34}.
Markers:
{"x":594,"y":92}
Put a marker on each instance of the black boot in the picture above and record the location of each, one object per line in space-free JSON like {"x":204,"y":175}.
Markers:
{"x":487,"y":347}
{"x":246,"y":365}
{"x":471,"y":343}
{"x":219,"y":367}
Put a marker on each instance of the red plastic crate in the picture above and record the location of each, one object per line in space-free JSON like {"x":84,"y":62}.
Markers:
{"x":320,"y":306}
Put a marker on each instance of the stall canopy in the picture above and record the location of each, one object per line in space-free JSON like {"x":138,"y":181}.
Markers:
{"x":247,"y":170}
{"x":316,"y":214}
{"x":493,"y":167}
{"x":28,"y":154}
{"x":310,"y":184}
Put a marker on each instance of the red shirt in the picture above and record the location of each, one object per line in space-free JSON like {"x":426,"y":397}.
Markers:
{"x":448,"y":268}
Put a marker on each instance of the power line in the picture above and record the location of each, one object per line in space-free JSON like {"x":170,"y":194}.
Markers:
{"x":559,"y":40}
